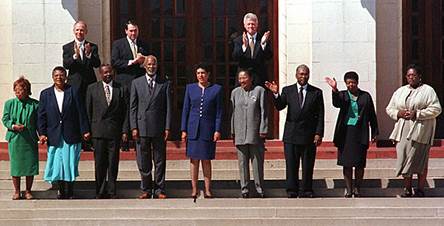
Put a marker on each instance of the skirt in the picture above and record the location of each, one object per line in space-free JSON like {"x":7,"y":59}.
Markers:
{"x":412,"y":157}
{"x":23,"y":156}
{"x":353,"y":153}
{"x":63,"y":162}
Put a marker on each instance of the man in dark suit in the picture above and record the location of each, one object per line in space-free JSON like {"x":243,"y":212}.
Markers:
{"x":80,"y":57}
{"x":150,"y":119}
{"x":107,"y":109}
{"x":252,"y":50}
{"x":127,"y":55}
{"x":304,"y":129}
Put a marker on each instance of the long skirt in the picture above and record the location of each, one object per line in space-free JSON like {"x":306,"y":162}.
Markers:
{"x":412,"y":157}
{"x":63,"y":162}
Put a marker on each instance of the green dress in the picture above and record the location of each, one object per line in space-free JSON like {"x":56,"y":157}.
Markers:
{"x":22,"y":146}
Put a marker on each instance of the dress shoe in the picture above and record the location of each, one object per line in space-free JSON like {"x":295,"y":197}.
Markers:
{"x":245,"y":195}
{"x":145,"y":195}
{"x":407,"y":193}
{"x":28,"y":195}
{"x":208,"y":195}
{"x":307,"y":194}
{"x":261,"y":195}
{"x":419,"y":193}
{"x":16,"y":196}
{"x":114,"y":196}
{"x":357,"y":193}
{"x":348,"y":194}
{"x":292,"y":195}
{"x":161,"y":196}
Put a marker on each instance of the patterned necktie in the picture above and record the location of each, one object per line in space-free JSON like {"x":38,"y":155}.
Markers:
{"x":301,"y":96}
{"x":107,"y":94}
{"x":150,"y":85}
{"x":251,"y":43}
{"x":134,"y":50}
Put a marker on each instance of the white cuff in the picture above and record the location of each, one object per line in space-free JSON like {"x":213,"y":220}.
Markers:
{"x":244,"y":48}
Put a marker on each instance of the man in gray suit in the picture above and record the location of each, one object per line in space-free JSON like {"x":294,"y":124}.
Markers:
{"x":150,"y":118}
{"x":249,"y":127}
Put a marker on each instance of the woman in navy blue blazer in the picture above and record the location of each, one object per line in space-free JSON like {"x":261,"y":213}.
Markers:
{"x":62,"y":122}
{"x":201,"y":126}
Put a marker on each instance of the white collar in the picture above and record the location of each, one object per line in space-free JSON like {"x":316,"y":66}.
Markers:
{"x":299,"y":86}
{"x":110,"y":84}
{"x":252,"y":36}
{"x":131,"y":41}
{"x":148,"y":78}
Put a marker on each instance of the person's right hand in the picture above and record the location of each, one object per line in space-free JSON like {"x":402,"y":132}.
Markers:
{"x":272,"y":86}
{"x":77,"y":51}
{"x":18,"y":127}
{"x":140,"y":59}
{"x":332,"y":83}
{"x":184,"y":136}
{"x":43,"y":139}
{"x":135,"y":134}
{"x":244,"y":39}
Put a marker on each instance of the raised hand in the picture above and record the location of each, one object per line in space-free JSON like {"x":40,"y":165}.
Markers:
{"x":265,"y":37}
{"x":244,"y":39}
{"x":87,"y":49}
{"x":272,"y":86}
{"x":332,"y":83}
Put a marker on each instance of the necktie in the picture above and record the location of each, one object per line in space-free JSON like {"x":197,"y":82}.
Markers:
{"x":134,"y":50}
{"x":81,"y":49}
{"x":150,"y":85}
{"x":301,"y":96}
{"x":107,"y":94}
{"x":251,"y":43}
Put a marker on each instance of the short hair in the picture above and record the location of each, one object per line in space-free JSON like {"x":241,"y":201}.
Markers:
{"x":105,"y":65}
{"x":202,"y":65}
{"x":304,"y":67}
{"x":80,"y":22}
{"x":351,"y":75}
{"x":150,"y":57}
{"x":250,"y":16}
{"x":130,"y":22}
{"x":415,"y":67}
{"x":59,"y":68}
{"x":246,"y":71}
{"x":24,"y":83}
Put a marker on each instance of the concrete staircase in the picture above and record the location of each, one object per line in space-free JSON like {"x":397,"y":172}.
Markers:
{"x":380,"y":206}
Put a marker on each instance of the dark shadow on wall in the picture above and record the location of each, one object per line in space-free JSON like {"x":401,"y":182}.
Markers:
{"x":73,"y":8}
{"x":370,"y":5}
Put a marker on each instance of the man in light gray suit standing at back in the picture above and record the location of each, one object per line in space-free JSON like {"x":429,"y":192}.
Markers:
{"x":150,"y":118}
{"x":249,"y":127}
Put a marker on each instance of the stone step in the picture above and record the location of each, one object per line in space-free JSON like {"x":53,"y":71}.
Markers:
{"x":318,"y":221}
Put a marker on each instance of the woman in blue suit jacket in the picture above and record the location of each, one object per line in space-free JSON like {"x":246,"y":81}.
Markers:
{"x":201,"y":126}
{"x":62,"y":122}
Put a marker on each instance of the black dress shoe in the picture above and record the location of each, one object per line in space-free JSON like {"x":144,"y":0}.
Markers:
{"x":407,"y":193}
{"x":245,"y":195}
{"x":261,"y":195}
{"x":307,"y":194}
{"x":292,"y":195}
{"x":419,"y":193}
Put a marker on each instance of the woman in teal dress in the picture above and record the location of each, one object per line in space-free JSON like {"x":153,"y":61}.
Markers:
{"x":20,"y":118}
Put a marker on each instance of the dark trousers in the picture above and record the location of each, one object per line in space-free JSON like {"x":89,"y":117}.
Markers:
{"x":106,"y":157}
{"x":149,"y":150}
{"x":294,"y":153}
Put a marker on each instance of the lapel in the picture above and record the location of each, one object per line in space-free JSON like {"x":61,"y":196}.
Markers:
{"x":115,"y":94}
{"x":308,"y":96}
{"x":53,"y":101}
{"x":100,"y":91}
{"x":67,"y":98}
{"x":127,"y":48}
{"x":257,"y":45}
{"x":157,"y":85}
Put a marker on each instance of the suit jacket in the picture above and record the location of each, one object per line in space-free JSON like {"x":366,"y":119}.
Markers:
{"x":202,"y":115}
{"x":301,"y":125}
{"x":366,"y":117}
{"x":255,"y":64}
{"x":69,"y":124}
{"x":81,"y":71}
{"x":249,"y":117}
{"x":150,"y":113}
{"x":107,"y":121}
{"x":121,"y":54}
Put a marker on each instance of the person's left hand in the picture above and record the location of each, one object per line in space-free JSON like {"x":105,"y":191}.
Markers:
{"x":317,"y":140}
{"x":262,"y":135}
{"x":86,"y":136}
{"x":265,"y":37}
{"x":124,"y":137}
{"x":167,"y":134}
{"x":216,"y":136}
{"x":410,"y":115}
{"x":87,"y":49}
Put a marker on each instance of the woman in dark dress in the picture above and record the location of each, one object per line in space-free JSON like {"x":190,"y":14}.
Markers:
{"x":351,"y":137}
{"x":201,"y":126}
